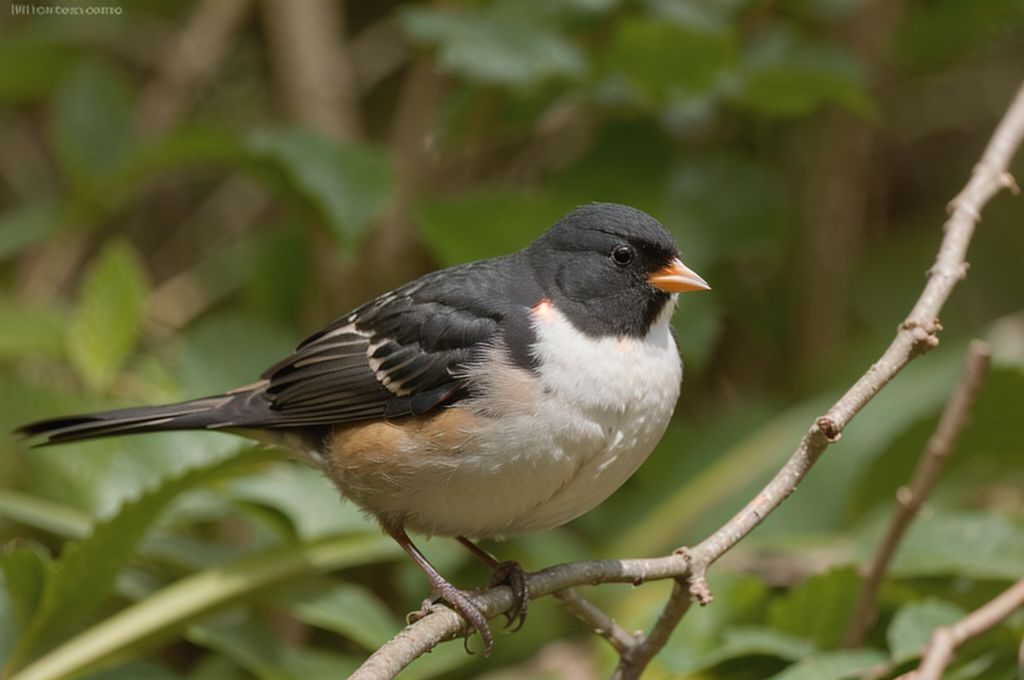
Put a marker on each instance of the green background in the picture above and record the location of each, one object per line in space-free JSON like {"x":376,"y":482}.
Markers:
{"x":170,"y":226}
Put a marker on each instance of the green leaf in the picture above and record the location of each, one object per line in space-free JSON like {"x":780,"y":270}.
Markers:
{"x":698,"y":324}
{"x":85,"y":574}
{"x":451,"y":225}
{"x":914,"y":624}
{"x":586,"y":6}
{"x":225,"y":350}
{"x":974,"y":544}
{"x":135,"y":670}
{"x":101,"y":475}
{"x":26,"y":570}
{"x":709,"y":16}
{"x":306,"y":497}
{"x":660,"y":59}
{"x":935,"y":34}
{"x":350,"y":184}
{"x":108,"y":318}
{"x":217,"y":667}
{"x":8,"y":629}
{"x":741,"y":642}
{"x":33,"y":60}
{"x":92,"y":123}
{"x":723,"y":485}
{"x":194,"y":145}
{"x":350,"y":611}
{"x":281,"y":297}
{"x":186,"y":600}
{"x":698,"y":639}
{"x":504,"y":48}
{"x":47,"y":515}
{"x":25,"y":226}
{"x":783,"y":75}
{"x":987,"y":451}
{"x":984,"y":666}
{"x":728,"y":200}
{"x":824,"y":495}
{"x":819,"y":609}
{"x":834,"y":665}
{"x":252,"y":645}
{"x":36,"y":330}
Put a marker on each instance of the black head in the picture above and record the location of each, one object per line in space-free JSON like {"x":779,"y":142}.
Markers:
{"x":610,"y":269}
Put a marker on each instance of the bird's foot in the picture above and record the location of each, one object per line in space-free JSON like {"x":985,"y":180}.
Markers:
{"x":460,"y":602}
{"x":511,"y":574}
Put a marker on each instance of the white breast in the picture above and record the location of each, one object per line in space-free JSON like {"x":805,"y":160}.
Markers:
{"x":607,"y":402}
{"x":550,"y":451}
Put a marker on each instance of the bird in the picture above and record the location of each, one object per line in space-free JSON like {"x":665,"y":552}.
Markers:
{"x":500,"y":396}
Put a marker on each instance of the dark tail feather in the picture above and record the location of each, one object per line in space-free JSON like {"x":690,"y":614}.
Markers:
{"x":211,"y":412}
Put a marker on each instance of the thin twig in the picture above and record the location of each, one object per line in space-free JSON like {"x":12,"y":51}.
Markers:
{"x":312,"y":65}
{"x":909,"y":499}
{"x":633,"y":662}
{"x":916,"y":334}
{"x":444,"y":624}
{"x":190,"y":60}
{"x":603,"y":625}
{"x":1020,"y":659}
{"x":378,"y":52}
{"x":837,"y":187}
{"x":944,"y":641}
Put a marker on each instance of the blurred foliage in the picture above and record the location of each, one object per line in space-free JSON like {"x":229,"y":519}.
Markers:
{"x":143,"y":262}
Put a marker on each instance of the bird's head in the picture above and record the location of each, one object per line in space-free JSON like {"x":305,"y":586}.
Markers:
{"x":610,"y":269}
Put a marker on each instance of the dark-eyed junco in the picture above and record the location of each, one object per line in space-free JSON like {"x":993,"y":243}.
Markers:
{"x":482,"y":400}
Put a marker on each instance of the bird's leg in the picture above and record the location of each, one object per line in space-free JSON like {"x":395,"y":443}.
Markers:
{"x":445,"y":590}
{"x":508,"y":573}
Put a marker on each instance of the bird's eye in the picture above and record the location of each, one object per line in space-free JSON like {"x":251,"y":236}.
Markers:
{"x":622,"y":255}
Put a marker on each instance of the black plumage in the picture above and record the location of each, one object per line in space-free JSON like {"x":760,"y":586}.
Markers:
{"x":404,"y":352}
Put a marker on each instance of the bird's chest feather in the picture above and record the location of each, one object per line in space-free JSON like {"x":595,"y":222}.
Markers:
{"x":617,"y":383}
{"x":606,"y":404}
{"x":529,"y":451}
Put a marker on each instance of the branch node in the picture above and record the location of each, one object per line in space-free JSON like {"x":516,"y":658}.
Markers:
{"x":698,"y":582}
{"x":957,"y":274}
{"x":905,"y":497}
{"x":925,"y":334}
{"x":830,"y":428}
{"x":1007,"y":181}
{"x":962,"y":203}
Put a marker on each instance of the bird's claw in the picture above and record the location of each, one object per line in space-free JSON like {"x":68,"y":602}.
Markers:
{"x":459,"y":601}
{"x":426,"y":608}
{"x":511,"y":574}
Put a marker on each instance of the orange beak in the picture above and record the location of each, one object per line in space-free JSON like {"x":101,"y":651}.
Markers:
{"x":676,"y":277}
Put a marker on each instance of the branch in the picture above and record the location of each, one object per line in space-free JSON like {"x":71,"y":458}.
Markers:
{"x":378,"y":52}
{"x":312,"y":65}
{"x":635,"y":659}
{"x":910,"y":498}
{"x":603,"y":625}
{"x":444,"y":624}
{"x":1020,"y":658}
{"x":915,"y":335}
{"x":945,"y":640}
{"x":190,"y":60}
{"x":837,"y":185}
{"x":393,"y":251}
